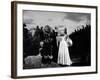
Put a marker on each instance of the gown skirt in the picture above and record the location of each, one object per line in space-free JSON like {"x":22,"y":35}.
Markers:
{"x":63,"y":54}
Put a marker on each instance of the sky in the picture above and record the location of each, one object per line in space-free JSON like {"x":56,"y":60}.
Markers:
{"x":70,"y":20}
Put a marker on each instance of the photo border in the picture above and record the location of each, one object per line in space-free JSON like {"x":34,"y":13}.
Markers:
{"x":14,"y":37}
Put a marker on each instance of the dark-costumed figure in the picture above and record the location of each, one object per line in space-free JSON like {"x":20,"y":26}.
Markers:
{"x":46,"y":44}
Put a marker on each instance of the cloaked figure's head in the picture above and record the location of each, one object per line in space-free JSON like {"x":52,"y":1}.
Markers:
{"x":47,"y":28}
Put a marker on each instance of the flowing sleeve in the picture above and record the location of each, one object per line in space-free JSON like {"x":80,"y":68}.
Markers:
{"x":69,"y":41}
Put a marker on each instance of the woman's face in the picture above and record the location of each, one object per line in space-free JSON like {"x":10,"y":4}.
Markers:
{"x":62,"y":32}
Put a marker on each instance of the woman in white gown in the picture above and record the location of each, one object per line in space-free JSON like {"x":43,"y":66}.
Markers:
{"x":63,"y":53}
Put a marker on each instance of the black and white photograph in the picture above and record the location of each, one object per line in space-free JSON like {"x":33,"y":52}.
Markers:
{"x":56,"y":39}
{"x":53,"y":39}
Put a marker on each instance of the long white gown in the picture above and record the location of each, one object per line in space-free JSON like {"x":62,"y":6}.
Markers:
{"x":63,"y":53}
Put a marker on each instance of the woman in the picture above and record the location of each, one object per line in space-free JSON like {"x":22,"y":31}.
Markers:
{"x":63,"y":53}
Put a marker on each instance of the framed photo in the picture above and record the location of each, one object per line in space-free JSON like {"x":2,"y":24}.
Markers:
{"x":50,"y":39}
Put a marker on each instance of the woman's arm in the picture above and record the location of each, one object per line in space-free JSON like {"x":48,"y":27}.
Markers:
{"x":69,"y":41}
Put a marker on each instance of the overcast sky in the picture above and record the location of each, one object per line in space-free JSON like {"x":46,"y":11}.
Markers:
{"x":67,"y":19}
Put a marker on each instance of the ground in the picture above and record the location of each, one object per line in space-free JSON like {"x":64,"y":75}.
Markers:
{"x":32,"y":62}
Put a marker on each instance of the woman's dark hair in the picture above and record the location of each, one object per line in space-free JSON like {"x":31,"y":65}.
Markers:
{"x":65,"y":30}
